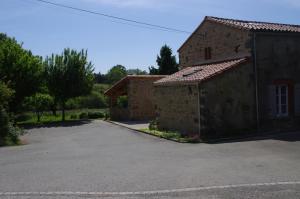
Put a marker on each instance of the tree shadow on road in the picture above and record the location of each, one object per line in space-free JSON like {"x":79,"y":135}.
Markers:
{"x":56,"y":124}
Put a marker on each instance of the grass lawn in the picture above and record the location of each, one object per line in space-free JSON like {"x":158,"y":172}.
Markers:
{"x":171,"y":135}
{"x":30,"y":118}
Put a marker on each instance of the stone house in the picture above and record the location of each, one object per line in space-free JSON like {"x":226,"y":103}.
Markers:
{"x":139,"y":92}
{"x":236,"y":76}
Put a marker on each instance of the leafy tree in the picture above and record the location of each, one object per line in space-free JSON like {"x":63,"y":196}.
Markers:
{"x":69,"y":75}
{"x":20,"y":70}
{"x":4,"y":126}
{"x":166,"y":61}
{"x":5,"y":95}
{"x":100,"y":78}
{"x":116,"y":73}
{"x":8,"y":133}
{"x":136,"y":72}
{"x":39,"y":103}
{"x":153,"y":70}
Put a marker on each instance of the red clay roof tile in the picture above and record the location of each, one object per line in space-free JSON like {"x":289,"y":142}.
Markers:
{"x":200,"y":73}
{"x":255,"y":25}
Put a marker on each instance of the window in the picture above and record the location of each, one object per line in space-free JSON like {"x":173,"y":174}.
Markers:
{"x":281,"y":100}
{"x":207,"y":53}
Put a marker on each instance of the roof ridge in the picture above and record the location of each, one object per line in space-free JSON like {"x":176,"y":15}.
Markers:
{"x":250,"y":21}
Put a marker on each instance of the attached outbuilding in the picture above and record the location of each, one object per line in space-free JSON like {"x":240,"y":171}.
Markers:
{"x":208,"y":99}
{"x":132,"y":98}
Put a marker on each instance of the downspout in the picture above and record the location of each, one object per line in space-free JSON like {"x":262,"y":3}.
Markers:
{"x":199,"y":112}
{"x":256,"y":82}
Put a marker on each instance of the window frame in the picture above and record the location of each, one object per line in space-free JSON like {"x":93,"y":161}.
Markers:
{"x":279,"y":98}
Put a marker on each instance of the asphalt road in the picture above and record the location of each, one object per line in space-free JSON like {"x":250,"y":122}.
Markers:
{"x":86,"y":160}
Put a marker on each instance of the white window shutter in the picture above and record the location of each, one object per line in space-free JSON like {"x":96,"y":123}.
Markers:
{"x":297,"y":99}
{"x":271,"y":105}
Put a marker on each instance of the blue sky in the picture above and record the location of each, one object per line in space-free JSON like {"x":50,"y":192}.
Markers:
{"x":46,"y":29}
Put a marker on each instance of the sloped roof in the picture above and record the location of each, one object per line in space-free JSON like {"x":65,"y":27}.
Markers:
{"x":248,"y":25}
{"x":255,"y":25}
{"x":196,"y":74}
{"x":120,"y":85}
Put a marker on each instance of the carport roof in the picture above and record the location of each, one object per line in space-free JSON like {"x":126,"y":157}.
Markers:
{"x":120,"y":87}
{"x":196,"y":74}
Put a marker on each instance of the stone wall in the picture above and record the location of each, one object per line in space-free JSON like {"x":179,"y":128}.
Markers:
{"x":278,"y":58}
{"x":177,"y":108}
{"x":225,"y":43}
{"x":228,"y":102}
{"x":119,"y":114}
{"x":140,"y":99}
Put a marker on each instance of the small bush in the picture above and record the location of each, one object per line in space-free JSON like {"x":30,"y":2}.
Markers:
{"x":95,"y":115}
{"x":83,"y":115}
{"x":153,"y":125}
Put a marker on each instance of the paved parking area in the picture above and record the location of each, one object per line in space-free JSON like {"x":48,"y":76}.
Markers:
{"x":136,"y":125}
{"x":102,"y":157}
